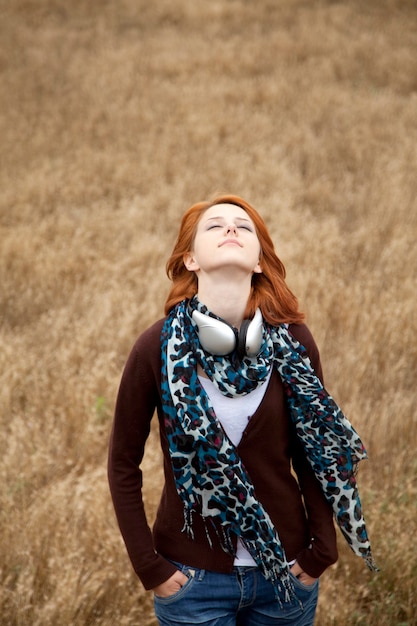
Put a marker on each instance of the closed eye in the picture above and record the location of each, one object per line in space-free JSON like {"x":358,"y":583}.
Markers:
{"x":249,"y":228}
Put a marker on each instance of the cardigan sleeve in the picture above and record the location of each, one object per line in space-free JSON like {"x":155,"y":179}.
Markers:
{"x":136,"y":402}
{"x":323,"y":549}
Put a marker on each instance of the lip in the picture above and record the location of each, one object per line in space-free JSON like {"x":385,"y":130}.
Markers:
{"x":230,"y":241}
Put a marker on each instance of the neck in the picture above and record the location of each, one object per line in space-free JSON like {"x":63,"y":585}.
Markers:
{"x":226,"y":300}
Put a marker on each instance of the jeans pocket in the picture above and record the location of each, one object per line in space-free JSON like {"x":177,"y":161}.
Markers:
{"x":192,"y":574}
{"x":177,"y":595}
{"x":297,"y":583}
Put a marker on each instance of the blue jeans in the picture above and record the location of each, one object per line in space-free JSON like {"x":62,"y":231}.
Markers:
{"x":242,"y":598}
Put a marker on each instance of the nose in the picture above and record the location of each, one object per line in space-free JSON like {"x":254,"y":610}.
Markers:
{"x":231,"y":228}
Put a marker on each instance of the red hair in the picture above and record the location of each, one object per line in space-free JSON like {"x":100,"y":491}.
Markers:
{"x":269,"y":290}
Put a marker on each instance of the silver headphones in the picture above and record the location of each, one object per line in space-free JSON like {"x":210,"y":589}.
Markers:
{"x":220,"y":338}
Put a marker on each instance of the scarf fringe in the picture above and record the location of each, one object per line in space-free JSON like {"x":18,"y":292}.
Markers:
{"x":370,"y":563}
{"x":284,"y":589}
{"x":223,"y":535}
{"x":279,"y":578}
{"x":188,"y":523}
{"x":277,"y":572}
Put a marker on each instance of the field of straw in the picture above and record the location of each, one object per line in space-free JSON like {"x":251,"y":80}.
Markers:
{"x":114,"y":118}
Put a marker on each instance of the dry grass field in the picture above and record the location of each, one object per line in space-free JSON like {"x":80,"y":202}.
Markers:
{"x":114,"y":118}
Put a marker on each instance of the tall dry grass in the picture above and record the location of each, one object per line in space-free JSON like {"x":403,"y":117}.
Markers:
{"x":114,"y":118}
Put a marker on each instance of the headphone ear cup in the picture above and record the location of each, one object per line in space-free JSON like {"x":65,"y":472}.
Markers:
{"x":250,"y":336}
{"x":241,"y":342}
{"x":216,"y":336}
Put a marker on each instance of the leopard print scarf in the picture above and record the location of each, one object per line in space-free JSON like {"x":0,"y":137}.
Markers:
{"x":210,"y":477}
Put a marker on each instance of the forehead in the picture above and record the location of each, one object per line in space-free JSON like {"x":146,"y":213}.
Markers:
{"x":229,"y":211}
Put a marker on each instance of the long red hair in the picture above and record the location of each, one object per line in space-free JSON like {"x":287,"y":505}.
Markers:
{"x":269,"y":290}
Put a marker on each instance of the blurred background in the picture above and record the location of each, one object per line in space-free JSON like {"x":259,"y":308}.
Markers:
{"x":115,"y":117}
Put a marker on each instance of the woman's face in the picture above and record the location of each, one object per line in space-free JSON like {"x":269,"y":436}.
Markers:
{"x":225,"y":238}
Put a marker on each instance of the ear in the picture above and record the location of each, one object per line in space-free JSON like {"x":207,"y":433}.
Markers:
{"x":190,"y":262}
{"x":257,"y":268}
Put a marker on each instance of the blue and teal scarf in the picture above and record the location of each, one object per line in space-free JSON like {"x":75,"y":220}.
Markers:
{"x":210,"y":477}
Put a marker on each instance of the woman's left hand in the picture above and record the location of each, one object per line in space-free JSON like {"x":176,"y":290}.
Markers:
{"x":299,"y":573}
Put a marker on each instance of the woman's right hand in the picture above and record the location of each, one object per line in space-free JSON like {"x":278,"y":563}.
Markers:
{"x":171,"y":586}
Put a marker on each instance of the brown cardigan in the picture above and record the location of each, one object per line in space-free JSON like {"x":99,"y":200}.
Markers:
{"x":268,"y":449}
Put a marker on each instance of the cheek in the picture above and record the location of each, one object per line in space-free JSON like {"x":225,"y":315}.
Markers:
{"x":202,"y":248}
{"x":258,"y":249}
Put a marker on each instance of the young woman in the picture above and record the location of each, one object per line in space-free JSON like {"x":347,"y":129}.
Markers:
{"x":257,"y":456}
